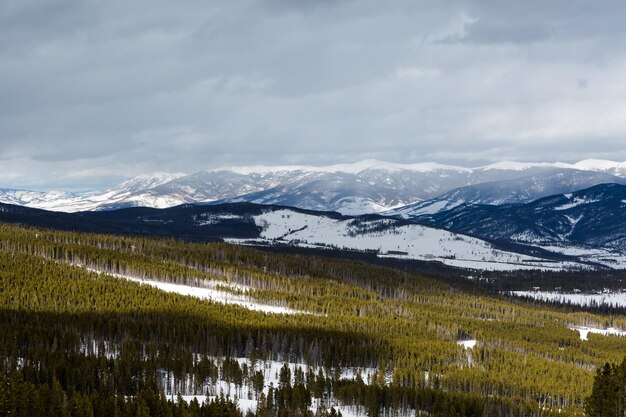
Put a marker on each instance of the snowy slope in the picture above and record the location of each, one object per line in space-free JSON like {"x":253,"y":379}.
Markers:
{"x":388,"y":237}
{"x":598,"y":165}
{"x":37,"y":198}
{"x":137,"y":191}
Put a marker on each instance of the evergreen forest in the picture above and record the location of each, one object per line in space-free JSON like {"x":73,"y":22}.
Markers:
{"x":83,"y":334}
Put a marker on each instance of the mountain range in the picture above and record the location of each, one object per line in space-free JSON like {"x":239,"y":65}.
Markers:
{"x":370,"y":186}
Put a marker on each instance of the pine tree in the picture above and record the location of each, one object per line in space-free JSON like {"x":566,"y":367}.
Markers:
{"x":608,"y":393}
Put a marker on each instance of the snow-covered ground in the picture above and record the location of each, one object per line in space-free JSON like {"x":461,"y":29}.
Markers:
{"x":354,"y":206}
{"x":608,"y":298}
{"x":246,"y":398}
{"x":467,"y":344}
{"x":384,"y":236}
{"x":606,"y":257}
{"x":574,"y":203}
{"x":426,"y":207}
{"x":216,"y":296}
{"x":584,"y":331}
{"x":213,"y":291}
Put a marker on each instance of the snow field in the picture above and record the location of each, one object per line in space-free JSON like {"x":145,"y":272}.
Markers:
{"x":611,"y":298}
{"x":406,"y":241}
{"x":575,"y":203}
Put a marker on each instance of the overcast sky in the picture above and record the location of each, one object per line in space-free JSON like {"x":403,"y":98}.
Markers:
{"x":95,"y":91}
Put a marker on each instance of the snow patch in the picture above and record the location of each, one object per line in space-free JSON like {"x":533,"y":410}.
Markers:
{"x":355,"y":206}
{"x":575,"y":203}
{"x":246,"y":399}
{"x":467,"y":344}
{"x":386,"y":237}
{"x":611,"y":298}
{"x":584,"y":331}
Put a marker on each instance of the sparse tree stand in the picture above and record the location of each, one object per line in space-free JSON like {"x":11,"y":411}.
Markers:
{"x":608,"y":397}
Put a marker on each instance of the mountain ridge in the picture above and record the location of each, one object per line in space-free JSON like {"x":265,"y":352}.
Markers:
{"x":362,"y":187}
{"x":579,"y":222}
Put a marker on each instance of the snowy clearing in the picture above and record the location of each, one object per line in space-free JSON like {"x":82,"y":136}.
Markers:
{"x":584,"y":331}
{"x":386,"y":237}
{"x":467,"y":344}
{"x":216,"y":296}
{"x":614,"y":298}
{"x":607,"y":257}
{"x":210,"y":292}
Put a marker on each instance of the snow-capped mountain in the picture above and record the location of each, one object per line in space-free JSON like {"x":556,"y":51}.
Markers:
{"x":614,"y":168}
{"x":594,"y":217}
{"x":364,"y":187}
{"x":370,"y":191}
{"x":137,"y":191}
{"x":540,"y":183}
{"x":35,"y":198}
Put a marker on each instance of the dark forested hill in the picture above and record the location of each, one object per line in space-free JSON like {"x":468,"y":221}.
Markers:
{"x":594,"y":217}
{"x":275,"y":225}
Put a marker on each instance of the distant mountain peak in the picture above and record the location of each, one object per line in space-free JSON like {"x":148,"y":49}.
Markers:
{"x":600,"y":165}
{"x":521,"y":166}
{"x":150,"y":180}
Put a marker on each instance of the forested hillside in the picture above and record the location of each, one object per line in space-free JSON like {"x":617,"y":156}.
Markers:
{"x":78,"y":339}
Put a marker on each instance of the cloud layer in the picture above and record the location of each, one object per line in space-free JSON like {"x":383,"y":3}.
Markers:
{"x":91,"y":92}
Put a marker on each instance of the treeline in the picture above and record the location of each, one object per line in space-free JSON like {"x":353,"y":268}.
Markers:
{"x":566,"y":281}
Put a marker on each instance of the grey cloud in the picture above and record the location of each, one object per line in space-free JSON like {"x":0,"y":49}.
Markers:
{"x":110,"y":89}
{"x":482,"y":31}
{"x":493,"y":22}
